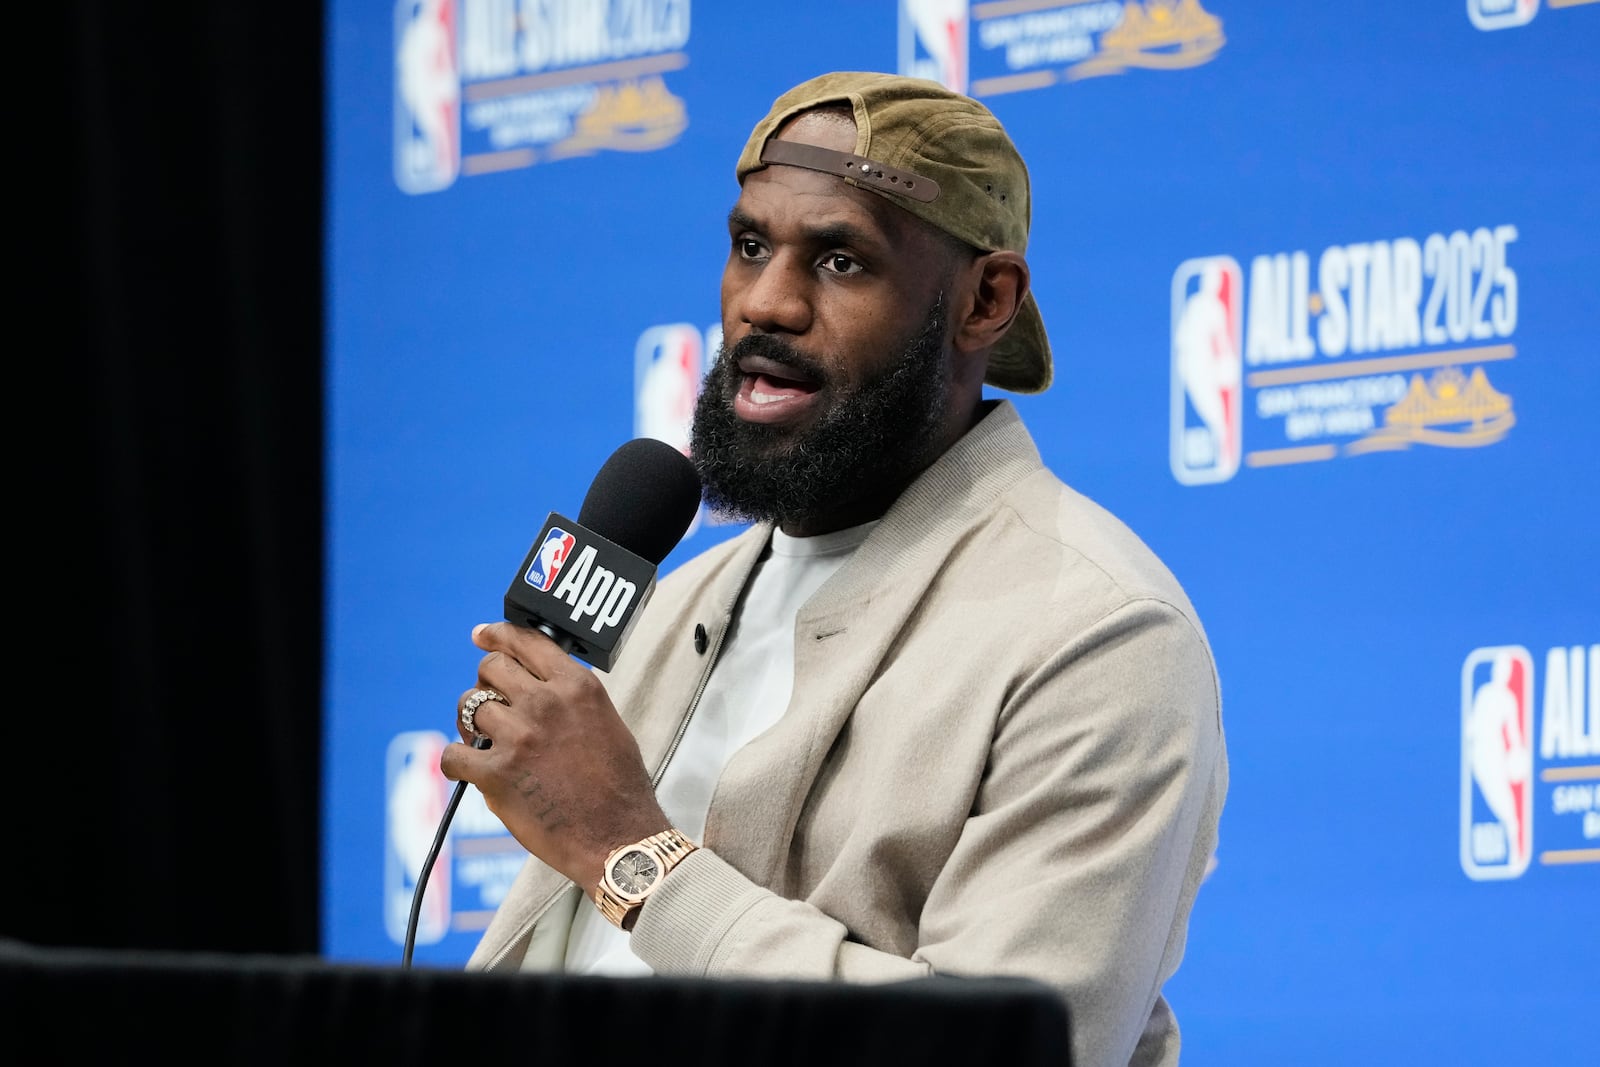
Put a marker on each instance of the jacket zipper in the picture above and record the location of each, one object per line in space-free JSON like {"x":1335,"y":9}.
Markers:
{"x":494,"y":961}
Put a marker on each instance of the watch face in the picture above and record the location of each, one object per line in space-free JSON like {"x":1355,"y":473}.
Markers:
{"x":635,"y":871}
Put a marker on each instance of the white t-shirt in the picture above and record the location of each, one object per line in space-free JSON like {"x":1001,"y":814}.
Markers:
{"x":747,"y":692}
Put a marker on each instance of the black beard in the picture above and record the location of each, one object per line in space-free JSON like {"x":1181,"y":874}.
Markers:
{"x":872,"y":437}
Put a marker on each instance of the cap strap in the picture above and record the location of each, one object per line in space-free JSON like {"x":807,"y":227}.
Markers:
{"x":857,"y":168}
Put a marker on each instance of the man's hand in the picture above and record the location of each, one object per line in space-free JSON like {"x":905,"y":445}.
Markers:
{"x":564,"y":773}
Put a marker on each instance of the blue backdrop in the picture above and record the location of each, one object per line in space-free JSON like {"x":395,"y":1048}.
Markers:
{"x":1319,"y":282}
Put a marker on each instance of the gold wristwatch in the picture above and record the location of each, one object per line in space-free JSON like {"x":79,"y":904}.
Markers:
{"x":634,"y":871}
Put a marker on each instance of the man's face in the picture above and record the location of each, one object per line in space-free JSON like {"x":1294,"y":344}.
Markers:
{"x":868,"y":436}
{"x":831,"y":390}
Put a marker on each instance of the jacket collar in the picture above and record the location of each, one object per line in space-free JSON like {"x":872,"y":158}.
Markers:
{"x":843,"y":635}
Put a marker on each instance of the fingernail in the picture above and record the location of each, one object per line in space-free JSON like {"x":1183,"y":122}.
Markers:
{"x":476,"y":630}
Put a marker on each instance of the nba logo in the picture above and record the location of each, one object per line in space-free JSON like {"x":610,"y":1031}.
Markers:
{"x":1496,"y":763}
{"x":667,"y":365}
{"x":1207,"y":305}
{"x":1500,"y":14}
{"x":668,"y":370}
{"x":416,"y":795}
{"x":547,"y":562}
{"x":427,"y":106}
{"x":933,"y":41}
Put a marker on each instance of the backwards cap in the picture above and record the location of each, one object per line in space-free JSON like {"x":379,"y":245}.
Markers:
{"x":943,"y":157}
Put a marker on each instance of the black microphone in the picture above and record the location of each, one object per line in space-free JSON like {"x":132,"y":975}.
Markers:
{"x":584,"y":583}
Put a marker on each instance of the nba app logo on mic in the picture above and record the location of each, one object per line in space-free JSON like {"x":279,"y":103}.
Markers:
{"x":1207,"y":370}
{"x":547,"y":561}
{"x":1496,"y":762}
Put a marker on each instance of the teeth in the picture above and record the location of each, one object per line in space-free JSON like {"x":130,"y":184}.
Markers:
{"x":763,"y":398}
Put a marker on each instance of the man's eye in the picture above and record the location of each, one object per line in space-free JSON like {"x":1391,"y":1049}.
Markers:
{"x":839,"y":263}
{"x":748,"y":247}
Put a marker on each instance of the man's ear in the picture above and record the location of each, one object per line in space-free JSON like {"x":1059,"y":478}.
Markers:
{"x":999,"y":281}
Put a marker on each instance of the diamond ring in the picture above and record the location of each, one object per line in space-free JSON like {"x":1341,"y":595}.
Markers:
{"x":469,"y":709}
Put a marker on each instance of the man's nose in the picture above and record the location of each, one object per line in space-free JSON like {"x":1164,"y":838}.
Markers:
{"x":776,"y":298}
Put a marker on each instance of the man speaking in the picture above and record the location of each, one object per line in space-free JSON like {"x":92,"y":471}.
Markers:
{"x":934,"y":711}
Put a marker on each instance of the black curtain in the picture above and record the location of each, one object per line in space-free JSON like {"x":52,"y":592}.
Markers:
{"x":172,"y":721}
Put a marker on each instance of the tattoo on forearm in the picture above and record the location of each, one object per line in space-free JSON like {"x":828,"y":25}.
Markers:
{"x":529,"y":789}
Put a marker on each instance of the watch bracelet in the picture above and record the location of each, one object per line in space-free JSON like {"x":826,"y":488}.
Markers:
{"x":670,"y":846}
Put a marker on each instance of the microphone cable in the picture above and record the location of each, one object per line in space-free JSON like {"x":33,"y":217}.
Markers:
{"x":563,"y":642}
{"x":427,"y":864}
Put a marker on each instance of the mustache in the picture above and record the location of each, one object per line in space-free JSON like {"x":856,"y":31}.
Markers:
{"x":778,"y":350}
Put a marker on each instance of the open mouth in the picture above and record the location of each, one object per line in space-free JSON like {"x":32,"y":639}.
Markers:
{"x":772,"y":392}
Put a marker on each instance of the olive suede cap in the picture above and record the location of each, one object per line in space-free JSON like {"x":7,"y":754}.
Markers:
{"x":943,"y":157}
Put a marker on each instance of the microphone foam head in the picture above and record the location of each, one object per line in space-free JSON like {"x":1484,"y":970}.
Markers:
{"x":644,"y":498}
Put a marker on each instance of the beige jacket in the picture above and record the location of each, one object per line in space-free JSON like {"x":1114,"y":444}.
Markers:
{"x":1003,"y":756}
